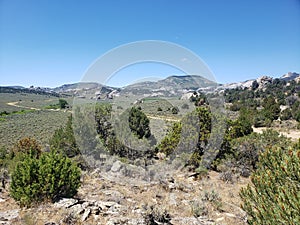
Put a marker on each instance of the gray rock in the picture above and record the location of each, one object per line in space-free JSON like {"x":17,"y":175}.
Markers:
{"x":116,"y":208}
{"x":9,"y":215}
{"x":66,"y":203}
{"x":86,"y":214}
{"x":116,"y":166}
{"x":76,"y":209}
{"x":95,"y":210}
{"x":192,"y":221}
{"x":104,"y":205}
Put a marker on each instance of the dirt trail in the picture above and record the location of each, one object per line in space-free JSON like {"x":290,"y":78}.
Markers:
{"x":19,"y":106}
{"x":293,"y":134}
{"x":163,"y":118}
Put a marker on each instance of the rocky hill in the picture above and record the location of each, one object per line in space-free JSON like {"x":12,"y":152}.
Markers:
{"x":170,"y":86}
{"x":261,"y":82}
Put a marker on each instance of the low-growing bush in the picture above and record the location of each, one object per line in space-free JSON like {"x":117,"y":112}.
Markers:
{"x":156,"y":215}
{"x":49,"y":177}
{"x":27,"y":145}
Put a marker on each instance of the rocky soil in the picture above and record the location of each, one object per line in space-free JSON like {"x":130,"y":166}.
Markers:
{"x":183,"y":198}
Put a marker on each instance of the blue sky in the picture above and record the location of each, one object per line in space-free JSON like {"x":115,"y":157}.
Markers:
{"x":52,"y":42}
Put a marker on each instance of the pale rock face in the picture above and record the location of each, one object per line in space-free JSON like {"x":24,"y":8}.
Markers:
{"x":290,"y":76}
{"x":264,"y":81}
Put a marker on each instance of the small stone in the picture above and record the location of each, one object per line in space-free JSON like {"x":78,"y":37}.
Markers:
{"x":105,"y":204}
{"x":85,"y":204}
{"x":76,"y":209}
{"x":230,"y":215}
{"x":116,"y":166}
{"x":95,"y":210}
{"x":220,"y":219}
{"x":65,"y":203}
{"x":85,"y":214}
{"x":9,"y":215}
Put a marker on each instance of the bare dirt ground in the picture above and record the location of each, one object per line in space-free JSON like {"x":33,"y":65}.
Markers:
{"x":291,"y":133}
{"x":19,"y":106}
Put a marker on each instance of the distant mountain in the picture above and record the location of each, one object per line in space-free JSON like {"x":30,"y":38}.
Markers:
{"x":77,"y":87}
{"x":89,"y":90}
{"x":170,"y":86}
{"x":290,"y":76}
{"x":15,"y":87}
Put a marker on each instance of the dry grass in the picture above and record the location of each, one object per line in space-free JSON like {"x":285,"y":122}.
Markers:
{"x":187,"y":198}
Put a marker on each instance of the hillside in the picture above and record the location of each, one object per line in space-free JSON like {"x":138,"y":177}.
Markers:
{"x":170,"y":86}
{"x":145,"y":159}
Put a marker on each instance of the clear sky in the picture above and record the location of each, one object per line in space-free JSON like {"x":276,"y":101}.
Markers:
{"x":52,"y":42}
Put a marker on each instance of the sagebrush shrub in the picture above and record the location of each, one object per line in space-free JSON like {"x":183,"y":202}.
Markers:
{"x":49,"y":177}
{"x":27,"y":145}
{"x":274,"y":197}
{"x":156,"y":215}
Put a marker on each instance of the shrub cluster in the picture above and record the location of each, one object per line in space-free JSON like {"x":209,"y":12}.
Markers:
{"x":49,"y":177}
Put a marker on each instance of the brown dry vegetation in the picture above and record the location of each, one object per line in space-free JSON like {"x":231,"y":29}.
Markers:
{"x":184,"y":198}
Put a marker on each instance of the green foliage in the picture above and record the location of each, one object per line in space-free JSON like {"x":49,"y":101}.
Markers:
{"x":49,"y":177}
{"x":242,"y":153}
{"x":63,"y":140}
{"x":4,"y":157}
{"x":274,"y":197}
{"x":199,"y":99}
{"x":25,"y":187}
{"x":4,"y":113}
{"x":239,"y":128}
{"x":139,"y":123}
{"x":84,"y":128}
{"x":295,"y":110}
{"x":254,"y":85}
{"x":175,"y":110}
{"x":59,"y":175}
{"x":286,"y":114}
{"x":271,"y":108}
{"x":170,"y":142}
{"x":22,"y":111}
{"x":62,"y":103}
{"x":190,"y":135}
{"x":270,"y":112}
{"x":55,"y":106}
{"x":40,"y":124}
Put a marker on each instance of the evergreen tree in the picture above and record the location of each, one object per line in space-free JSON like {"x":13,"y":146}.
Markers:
{"x":274,"y":196}
{"x":139,"y":123}
{"x":49,"y":177}
{"x":62,"y":103}
{"x":64,"y":140}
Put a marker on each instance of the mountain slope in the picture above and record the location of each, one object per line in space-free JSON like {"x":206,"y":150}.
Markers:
{"x":170,"y":86}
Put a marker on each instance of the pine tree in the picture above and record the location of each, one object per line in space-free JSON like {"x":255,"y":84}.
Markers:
{"x":139,"y":123}
{"x":49,"y":177}
{"x":274,"y":197}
